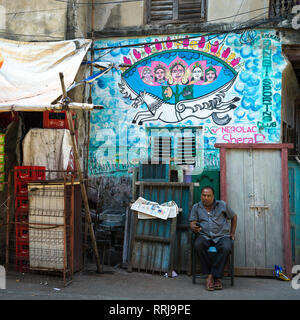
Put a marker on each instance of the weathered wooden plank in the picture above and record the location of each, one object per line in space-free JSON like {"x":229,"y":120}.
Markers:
{"x":273,"y":197}
{"x":144,"y":238}
{"x":236,"y":199}
{"x":155,"y":14}
{"x":259,"y":215}
{"x":249,"y":214}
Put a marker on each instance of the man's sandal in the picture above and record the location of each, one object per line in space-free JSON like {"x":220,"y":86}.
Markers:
{"x":210,"y":286}
{"x":218,"y":284}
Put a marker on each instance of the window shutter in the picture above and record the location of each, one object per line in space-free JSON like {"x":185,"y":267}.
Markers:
{"x":191,"y":10}
{"x":161,"y":150}
{"x":186,"y":151}
{"x":184,"y":10}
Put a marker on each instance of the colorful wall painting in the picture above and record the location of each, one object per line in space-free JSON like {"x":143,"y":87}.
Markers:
{"x":228,"y":85}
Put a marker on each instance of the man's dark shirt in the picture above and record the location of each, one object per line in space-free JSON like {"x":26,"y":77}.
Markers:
{"x":214,"y":225}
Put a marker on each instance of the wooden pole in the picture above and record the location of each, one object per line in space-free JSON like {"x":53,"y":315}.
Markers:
{"x":81,"y":180}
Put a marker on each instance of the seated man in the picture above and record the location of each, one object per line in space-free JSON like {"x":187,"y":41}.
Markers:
{"x":209,"y":218}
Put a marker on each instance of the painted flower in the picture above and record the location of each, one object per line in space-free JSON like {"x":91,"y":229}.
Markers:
{"x":169,"y":43}
{"x":158,"y":45}
{"x":126,"y":60}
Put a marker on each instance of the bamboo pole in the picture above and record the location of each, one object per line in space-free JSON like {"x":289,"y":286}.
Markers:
{"x":89,"y":118}
{"x":82,"y":185}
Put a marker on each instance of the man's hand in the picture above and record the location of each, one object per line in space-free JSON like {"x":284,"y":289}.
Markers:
{"x":194,"y":227}
{"x":232,"y":236}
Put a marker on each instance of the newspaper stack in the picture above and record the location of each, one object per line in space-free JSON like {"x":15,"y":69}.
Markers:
{"x":152,"y":210}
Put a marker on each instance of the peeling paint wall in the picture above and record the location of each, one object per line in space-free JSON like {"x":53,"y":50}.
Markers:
{"x":119,"y":15}
{"x":290,"y":91}
{"x":43,"y":20}
{"x":34,"y":20}
{"x":242,"y":10}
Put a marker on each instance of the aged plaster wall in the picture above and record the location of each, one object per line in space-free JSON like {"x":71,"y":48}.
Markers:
{"x":34,"y":20}
{"x":126,"y":19}
{"x":43,"y":20}
{"x":119,"y":15}
{"x":290,"y":91}
{"x":245,"y":10}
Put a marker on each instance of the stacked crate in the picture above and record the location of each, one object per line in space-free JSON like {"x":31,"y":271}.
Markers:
{"x":57,"y":119}
{"x":2,"y":161}
{"x":22,"y":175}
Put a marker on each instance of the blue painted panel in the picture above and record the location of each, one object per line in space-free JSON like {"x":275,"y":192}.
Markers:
{"x":181,"y":195}
{"x":294,"y":195}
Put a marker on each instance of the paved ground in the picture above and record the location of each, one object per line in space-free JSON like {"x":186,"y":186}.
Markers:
{"x":118,"y":284}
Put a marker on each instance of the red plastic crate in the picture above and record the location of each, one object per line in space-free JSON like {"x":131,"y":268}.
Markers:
{"x":22,"y":204}
{"x":29,"y":173}
{"x":21,"y":217}
{"x":22,"y":249}
{"x":21,"y":189}
{"x":22,"y":233}
{"x":7,"y":117}
{"x":22,"y":264}
{"x":56,"y":119}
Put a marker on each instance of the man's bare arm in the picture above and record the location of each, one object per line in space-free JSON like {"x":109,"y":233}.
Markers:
{"x":233,"y":227}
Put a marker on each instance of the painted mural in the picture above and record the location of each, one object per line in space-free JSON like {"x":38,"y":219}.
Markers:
{"x":227,"y":85}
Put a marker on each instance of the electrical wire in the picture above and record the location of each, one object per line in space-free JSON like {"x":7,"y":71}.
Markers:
{"x":216,"y":33}
{"x":99,"y":3}
{"x":31,"y":35}
{"x":47,"y":35}
{"x":22,"y":12}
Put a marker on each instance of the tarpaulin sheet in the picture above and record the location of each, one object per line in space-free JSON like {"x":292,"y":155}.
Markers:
{"x":29,"y":71}
{"x":51,"y":148}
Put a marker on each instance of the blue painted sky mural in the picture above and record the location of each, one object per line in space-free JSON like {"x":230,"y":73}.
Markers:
{"x":228,"y":86}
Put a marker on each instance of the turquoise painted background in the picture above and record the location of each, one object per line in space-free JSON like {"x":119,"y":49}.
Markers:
{"x":116,"y":143}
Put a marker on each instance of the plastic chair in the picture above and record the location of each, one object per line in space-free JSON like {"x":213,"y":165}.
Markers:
{"x":212,"y":252}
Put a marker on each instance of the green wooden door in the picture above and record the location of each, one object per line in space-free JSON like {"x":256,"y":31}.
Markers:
{"x":207,"y":178}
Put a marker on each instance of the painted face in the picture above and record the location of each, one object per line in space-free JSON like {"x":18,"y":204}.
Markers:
{"x":210,"y":76}
{"x":160,"y":74}
{"x":177,"y":73}
{"x":197,"y":74}
{"x":147,"y":76}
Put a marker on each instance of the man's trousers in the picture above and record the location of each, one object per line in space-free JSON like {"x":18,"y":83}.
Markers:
{"x":223,"y":246}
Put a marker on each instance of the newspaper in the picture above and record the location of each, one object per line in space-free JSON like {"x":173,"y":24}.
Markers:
{"x":152,"y":210}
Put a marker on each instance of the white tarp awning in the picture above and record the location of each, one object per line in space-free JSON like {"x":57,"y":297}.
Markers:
{"x":29,"y":71}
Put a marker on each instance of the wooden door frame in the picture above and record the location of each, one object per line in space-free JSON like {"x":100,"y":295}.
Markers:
{"x":287,"y":250}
